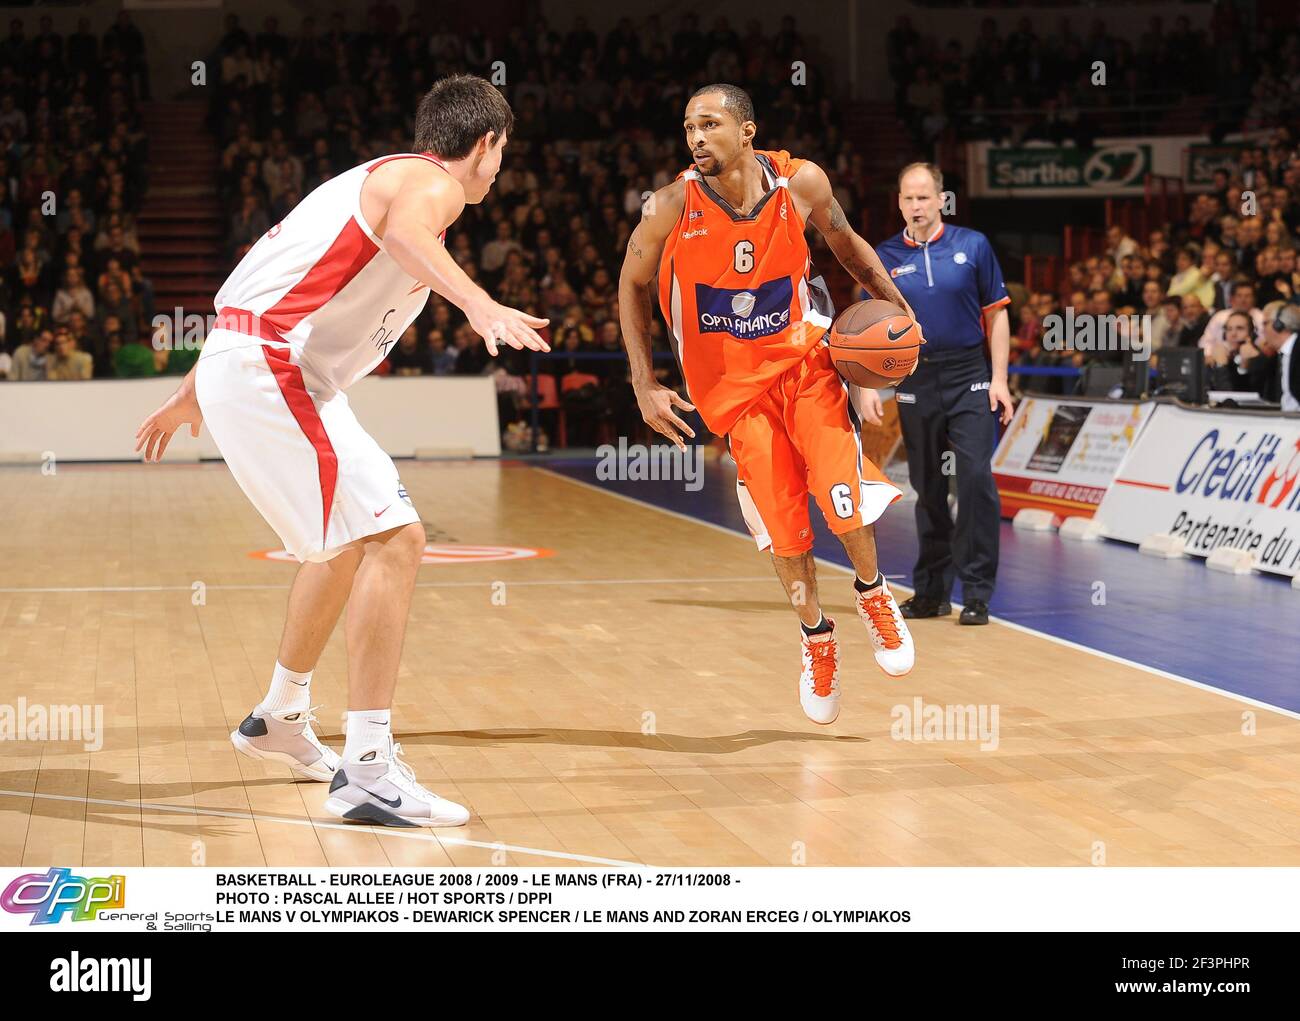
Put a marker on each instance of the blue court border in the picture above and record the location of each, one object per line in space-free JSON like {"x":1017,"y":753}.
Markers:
{"x":1236,"y":633}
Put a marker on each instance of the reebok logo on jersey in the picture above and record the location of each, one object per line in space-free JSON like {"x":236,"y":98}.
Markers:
{"x":745,"y":312}
{"x":697,"y":233}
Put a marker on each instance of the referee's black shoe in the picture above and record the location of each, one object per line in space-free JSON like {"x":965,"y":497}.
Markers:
{"x":976,"y":611}
{"x":919,"y":606}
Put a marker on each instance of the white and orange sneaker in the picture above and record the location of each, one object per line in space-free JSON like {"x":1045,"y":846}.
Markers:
{"x":895,"y":653}
{"x":819,"y":682}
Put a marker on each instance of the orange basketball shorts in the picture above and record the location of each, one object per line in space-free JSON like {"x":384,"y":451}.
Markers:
{"x":802,"y":437}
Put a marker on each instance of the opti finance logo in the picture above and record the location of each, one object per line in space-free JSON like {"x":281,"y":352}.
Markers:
{"x":47,"y":898}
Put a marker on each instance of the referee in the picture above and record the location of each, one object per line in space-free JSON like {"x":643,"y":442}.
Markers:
{"x":951,"y":278}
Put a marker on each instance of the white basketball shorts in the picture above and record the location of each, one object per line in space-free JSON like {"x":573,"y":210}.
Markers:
{"x":295,"y":448}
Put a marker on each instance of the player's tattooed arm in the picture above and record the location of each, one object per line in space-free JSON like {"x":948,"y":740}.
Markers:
{"x":838,"y":221}
{"x":812,"y":188}
{"x":873,"y":278}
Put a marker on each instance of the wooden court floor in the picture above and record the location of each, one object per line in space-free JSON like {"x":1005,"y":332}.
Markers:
{"x":633,"y":700}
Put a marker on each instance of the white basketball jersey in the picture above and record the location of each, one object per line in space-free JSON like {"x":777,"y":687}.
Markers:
{"x":322,"y":280}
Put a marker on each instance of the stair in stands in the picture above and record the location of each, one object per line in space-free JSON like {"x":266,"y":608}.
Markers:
{"x":881,"y":138}
{"x":180,"y":225}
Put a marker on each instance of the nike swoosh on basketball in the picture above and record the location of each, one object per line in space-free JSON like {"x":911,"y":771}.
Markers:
{"x":397,"y":803}
{"x":894,"y":336}
{"x":379,"y":512}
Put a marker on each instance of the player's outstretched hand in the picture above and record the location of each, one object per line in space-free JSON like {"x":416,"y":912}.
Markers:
{"x":499,"y":324}
{"x":656,"y":403}
{"x":155,"y":432}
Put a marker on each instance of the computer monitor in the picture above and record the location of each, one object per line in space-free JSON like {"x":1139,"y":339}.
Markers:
{"x":1182,"y":374}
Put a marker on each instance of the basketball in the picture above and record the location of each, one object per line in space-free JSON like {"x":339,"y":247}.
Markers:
{"x":874,"y":344}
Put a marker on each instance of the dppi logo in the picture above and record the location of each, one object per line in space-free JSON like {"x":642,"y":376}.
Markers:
{"x":47,"y":898}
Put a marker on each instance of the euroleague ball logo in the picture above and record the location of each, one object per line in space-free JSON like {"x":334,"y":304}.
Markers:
{"x":440,"y":553}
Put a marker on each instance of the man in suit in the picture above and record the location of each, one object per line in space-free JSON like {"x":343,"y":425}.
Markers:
{"x":1281,"y":324}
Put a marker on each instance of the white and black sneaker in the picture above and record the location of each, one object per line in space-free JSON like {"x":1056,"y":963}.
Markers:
{"x":379,"y":787}
{"x":286,"y":736}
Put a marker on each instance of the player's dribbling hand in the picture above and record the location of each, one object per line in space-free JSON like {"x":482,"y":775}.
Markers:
{"x":155,"y":432}
{"x":499,"y":324}
{"x":656,"y":403}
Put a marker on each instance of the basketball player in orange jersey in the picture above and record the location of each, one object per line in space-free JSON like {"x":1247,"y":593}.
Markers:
{"x":727,"y":241}
{"x":314,"y":306}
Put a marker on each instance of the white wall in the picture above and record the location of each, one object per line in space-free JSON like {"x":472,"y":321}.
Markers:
{"x":96,"y":420}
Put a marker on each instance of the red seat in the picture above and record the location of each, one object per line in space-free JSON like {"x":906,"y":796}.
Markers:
{"x":548,"y":399}
{"x":577,"y":380}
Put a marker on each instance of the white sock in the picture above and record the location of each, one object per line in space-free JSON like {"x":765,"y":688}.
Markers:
{"x":288,"y":690}
{"x":366,"y":729}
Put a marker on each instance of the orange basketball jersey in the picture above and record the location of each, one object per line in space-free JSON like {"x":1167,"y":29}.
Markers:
{"x":736,"y":294}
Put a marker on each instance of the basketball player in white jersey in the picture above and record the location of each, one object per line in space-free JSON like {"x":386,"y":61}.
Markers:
{"x":314,"y":306}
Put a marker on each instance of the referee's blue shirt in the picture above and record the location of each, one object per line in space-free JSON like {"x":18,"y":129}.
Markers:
{"x":949,"y":280}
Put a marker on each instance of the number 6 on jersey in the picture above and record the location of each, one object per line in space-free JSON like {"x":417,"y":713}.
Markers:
{"x":744,"y":256}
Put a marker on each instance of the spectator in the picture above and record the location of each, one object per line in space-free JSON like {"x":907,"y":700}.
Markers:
{"x":31,"y":360}
{"x":1188,"y":279}
{"x":1278,"y":341}
{"x":115,"y":304}
{"x":1194,"y":320}
{"x":73,"y":296}
{"x":1243,"y":301}
{"x":1165,"y":315}
{"x":1224,"y":278}
{"x":65,"y":361}
{"x":1223,"y":367}
{"x":1119,"y":244}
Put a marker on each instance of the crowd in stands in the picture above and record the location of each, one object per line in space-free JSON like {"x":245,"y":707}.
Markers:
{"x":1203,"y":281}
{"x":597,"y":127}
{"x":73,"y":300}
{"x":1021,"y":86}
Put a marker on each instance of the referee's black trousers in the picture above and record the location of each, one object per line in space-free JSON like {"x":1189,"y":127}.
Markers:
{"x":944,"y":406}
